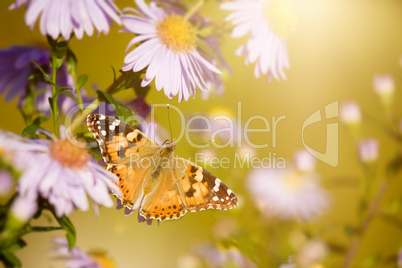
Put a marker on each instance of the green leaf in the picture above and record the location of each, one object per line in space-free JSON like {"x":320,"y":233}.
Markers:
{"x":82,"y":80}
{"x":67,"y":225}
{"x":71,"y":96}
{"x":9,"y":258}
{"x":61,"y":90}
{"x":40,"y":119}
{"x":71,"y":62}
{"x":47,"y":78}
{"x":121,"y":110}
{"x":30,"y":130}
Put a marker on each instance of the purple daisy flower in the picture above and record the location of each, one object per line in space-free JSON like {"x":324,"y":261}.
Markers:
{"x":61,"y":17}
{"x":16,"y":67}
{"x":64,"y":174}
{"x":168,"y":49}
{"x":77,"y":258}
{"x":269,"y":23}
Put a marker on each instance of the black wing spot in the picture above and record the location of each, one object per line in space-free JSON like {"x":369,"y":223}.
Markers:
{"x":193,"y":169}
{"x":190,"y":192}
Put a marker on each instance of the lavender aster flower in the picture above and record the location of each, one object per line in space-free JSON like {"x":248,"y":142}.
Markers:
{"x":286,"y":193}
{"x":168,"y":49}
{"x":63,"y":174}
{"x":77,"y":258}
{"x":268,"y":22}
{"x":61,"y":17}
{"x":16,"y":67}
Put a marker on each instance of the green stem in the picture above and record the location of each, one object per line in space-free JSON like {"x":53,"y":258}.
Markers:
{"x":55,"y":109}
{"x":77,"y":90}
{"x":193,"y":10}
{"x":364,"y":225}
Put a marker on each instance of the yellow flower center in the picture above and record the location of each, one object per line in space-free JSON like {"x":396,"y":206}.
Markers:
{"x":176,"y":33}
{"x":68,"y":154}
{"x":103,"y":260}
{"x":294,"y":181}
{"x":280,"y":17}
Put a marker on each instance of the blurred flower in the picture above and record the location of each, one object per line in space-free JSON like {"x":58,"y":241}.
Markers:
{"x":63,"y":174}
{"x":350,"y":113}
{"x":63,"y":17}
{"x":304,"y":161}
{"x":222,"y":257}
{"x":400,"y":258}
{"x":168,"y":49}
{"x":224,"y":229}
{"x":368,"y":150}
{"x":384,"y":86}
{"x":188,"y":261}
{"x":16,"y":68}
{"x":140,"y":107}
{"x":286,"y":193}
{"x":23,"y":208}
{"x":287,"y":265}
{"x":76,"y":258}
{"x":6,"y":183}
{"x":269,"y":23}
{"x":312,"y":252}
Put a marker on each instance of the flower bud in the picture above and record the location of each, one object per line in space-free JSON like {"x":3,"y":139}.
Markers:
{"x":368,"y":150}
{"x":304,"y":161}
{"x":384,"y":86}
{"x":350,"y":113}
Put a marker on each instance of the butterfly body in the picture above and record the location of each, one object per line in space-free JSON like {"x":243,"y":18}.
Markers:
{"x":151,"y":177}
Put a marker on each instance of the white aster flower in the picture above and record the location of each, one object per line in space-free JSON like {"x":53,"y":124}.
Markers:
{"x":268,"y":22}
{"x":312,"y":252}
{"x":61,"y":17}
{"x":64,"y":174}
{"x":286,"y":193}
{"x":168,"y":49}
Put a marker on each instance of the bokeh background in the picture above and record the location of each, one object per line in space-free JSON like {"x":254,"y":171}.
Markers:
{"x":338,"y":46}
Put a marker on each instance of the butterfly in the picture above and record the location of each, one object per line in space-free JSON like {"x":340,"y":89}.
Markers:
{"x":151,"y":177}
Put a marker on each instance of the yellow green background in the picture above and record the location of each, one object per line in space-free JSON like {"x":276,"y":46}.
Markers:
{"x":337,"y":48}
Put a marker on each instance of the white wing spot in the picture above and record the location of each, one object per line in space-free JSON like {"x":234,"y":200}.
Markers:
{"x":227,"y":197}
{"x":102,"y":117}
{"x":216,"y":188}
{"x":111,"y":127}
{"x":215,"y":198}
{"x":98,"y":122}
{"x":103,"y":132}
{"x":229,"y":192}
{"x":217,"y":182}
{"x":222,"y":199}
{"x":116,"y":123}
{"x":92,"y":123}
{"x":99,"y":127}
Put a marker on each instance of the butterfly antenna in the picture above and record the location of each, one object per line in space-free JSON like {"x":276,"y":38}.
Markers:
{"x":170,"y":126}
{"x":187,"y":143}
